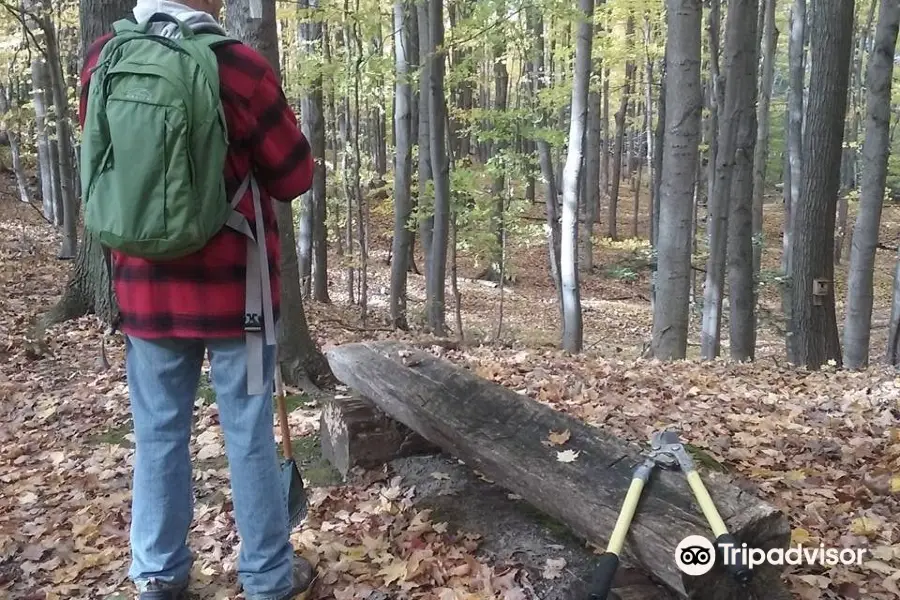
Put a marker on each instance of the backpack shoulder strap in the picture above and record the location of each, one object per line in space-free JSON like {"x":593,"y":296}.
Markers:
{"x":259,"y":319}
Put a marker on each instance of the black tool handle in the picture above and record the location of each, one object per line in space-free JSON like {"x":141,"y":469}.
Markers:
{"x":737,"y":569}
{"x":602,"y":577}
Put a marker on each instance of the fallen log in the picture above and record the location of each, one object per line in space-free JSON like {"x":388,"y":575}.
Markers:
{"x":355,"y":433}
{"x":512,"y":534}
{"x":502,"y":434}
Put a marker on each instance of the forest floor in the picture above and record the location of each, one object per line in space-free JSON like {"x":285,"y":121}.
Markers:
{"x":823,"y":446}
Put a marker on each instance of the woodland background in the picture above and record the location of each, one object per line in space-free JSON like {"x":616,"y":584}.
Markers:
{"x":665,"y":213}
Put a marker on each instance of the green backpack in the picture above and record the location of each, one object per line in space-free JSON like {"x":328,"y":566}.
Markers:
{"x":154,"y":144}
{"x":153,"y":155}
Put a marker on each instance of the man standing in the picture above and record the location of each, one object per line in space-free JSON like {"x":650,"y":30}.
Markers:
{"x":176,"y":310}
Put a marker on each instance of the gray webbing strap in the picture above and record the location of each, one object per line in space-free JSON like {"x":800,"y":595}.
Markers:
{"x":258,"y":303}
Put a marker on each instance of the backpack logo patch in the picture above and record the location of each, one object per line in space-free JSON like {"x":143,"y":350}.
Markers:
{"x":140,"y":94}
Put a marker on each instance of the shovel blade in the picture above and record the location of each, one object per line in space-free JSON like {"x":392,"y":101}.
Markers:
{"x":296,"y":494}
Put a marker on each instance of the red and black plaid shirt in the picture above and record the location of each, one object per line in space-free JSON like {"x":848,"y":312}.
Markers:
{"x":202,"y":295}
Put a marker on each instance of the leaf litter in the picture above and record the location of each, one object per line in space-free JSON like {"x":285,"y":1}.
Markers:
{"x":822,"y":446}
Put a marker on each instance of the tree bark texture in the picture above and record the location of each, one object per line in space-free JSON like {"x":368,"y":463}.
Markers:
{"x":591,"y":179}
{"x":742,"y":313}
{"x":813,"y":333}
{"x":796,"y":60}
{"x":680,"y":149}
{"x":760,"y":160}
{"x":733,"y":166}
{"x":876,"y":150}
{"x":436,"y":276}
{"x":545,"y":157}
{"x":39,"y":85}
{"x":313,"y":119}
{"x":402,"y":165}
{"x":573,"y":333}
{"x":619,"y":144}
{"x":64,"y":138}
{"x":426,"y":203}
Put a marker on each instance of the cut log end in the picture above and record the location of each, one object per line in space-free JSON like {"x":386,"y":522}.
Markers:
{"x":355,"y":433}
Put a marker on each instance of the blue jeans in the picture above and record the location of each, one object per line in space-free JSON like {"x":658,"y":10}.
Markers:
{"x":163,"y":376}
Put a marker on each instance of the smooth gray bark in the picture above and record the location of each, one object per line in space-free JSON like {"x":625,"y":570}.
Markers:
{"x":573,"y":333}
{"x":7,"y":99}
{"x":425,"y":202}
{"x":876,"y":150}
{"x":64,"y":138}
{"x":591,"y":180}
{"x":536,"y":27}
{"x":314,"y":217}
{"x":402,"y":165}
{"x":796,"y":60}
{"x":680,"y":153}
{"x":39,"y":86}
{"x":733,"y":142}
{"x":619,"y":144}
{"x":436,"y":275}
{"x":760,"y":159}
{"x":742,"y":313}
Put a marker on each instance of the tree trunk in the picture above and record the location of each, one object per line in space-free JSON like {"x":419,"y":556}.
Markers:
{"x":96,"y":18}
{"x":604,"y":134}
{"x":591,"y":178}
{"x":436,"y":274}
{"x":850,"y":175}
{"x":716,"y":99}
{"x":88,"y":288}
{"x":498,"y":148}
{"x":768,"y":49}
{"x":313,"y":235}
{"x":659,"y":139}
{"x":305,"y":225}
{"x":813,"y":330}
{"x":794,"y":146}
{"x":64,"y":138}
{"x":362,"y":205}
{"x":733,"y":187}
{"x":742,"y":314}
{"x":402,"y":165}
{"x":573,"y":333}
{"x":6,"y":100}
{"x":648,"y":110}
{"x":536,"y":27}
{"x":620,"y":136}
{"x":636,"y":180}
{"x":876,"y":150}
{"x":425,"y":203}
{"x":300,"y":360}
{"x":39,"y":85}
{"x":680,"y":149}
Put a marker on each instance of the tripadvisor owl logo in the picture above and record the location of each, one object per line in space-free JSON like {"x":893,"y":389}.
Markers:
{"x":695,"y":555}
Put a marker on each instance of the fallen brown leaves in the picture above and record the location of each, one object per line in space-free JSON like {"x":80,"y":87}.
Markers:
{"x":825,"y":446}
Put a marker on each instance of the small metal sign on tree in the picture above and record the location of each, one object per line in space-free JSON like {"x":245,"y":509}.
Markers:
{"x":256,"y":11}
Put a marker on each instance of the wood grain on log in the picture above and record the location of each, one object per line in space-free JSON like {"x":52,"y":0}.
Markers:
{"x":501,"y":434}
{"x":354,"y":432}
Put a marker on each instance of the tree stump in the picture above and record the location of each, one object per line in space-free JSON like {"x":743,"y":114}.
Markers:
{"x":356,"y":433}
